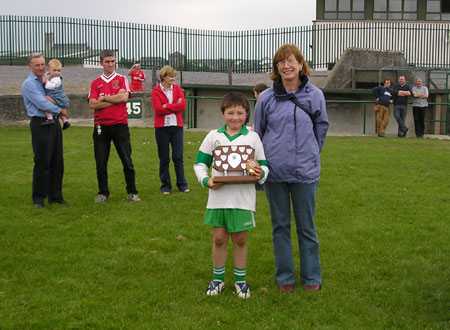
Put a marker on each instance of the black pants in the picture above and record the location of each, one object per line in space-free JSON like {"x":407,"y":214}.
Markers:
{"x":48,"y":169}
{"x":166,"y":137}
{"x":120,"y":135}
{"x":419,"y":120}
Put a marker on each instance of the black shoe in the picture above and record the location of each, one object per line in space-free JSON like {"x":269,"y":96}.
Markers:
{"x":48,"y":122}
{"x":66,"y":125}
{"x":38,"y":206}
{"x":62,"y":201}
{"x":405,"y":131}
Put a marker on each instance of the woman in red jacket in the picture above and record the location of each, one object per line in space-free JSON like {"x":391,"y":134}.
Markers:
{"x":168,"y":103}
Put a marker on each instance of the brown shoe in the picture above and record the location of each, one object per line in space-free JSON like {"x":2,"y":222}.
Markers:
{"x":286,"y":287}
{"x":312,"y":287}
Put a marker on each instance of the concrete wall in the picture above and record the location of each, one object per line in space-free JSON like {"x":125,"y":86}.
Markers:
{"x":12,"y":108}
{"x":341,"y":75}
{"x":208,"y":111}
{"x":343,"y":117}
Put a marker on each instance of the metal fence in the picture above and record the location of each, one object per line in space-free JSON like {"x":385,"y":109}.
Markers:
{"x":79,"y":41}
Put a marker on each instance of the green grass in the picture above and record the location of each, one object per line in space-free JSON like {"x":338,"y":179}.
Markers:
{"x":382,"y":218}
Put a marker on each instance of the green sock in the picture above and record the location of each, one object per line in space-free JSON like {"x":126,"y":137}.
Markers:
{"x":219,"y":273}
{"x":240,"y":274}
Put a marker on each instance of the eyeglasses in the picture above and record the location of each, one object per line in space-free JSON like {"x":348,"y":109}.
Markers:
{"x":289,"y":62}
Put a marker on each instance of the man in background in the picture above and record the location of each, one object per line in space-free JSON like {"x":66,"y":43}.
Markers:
{"x":401,"y":93}
{"x":383,"y":96}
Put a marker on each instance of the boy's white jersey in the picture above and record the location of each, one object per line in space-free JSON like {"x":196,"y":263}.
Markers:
{"x":230,"y":196}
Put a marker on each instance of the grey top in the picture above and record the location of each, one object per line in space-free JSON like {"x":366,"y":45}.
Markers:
{"x":420,"y":102}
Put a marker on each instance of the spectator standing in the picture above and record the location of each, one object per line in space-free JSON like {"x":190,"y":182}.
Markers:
{"x":401,"y":93}
{"x":108,"y":98}
{"x":168,"y":103}
{"x":46,"y":140}
{"x":137,"y":77}
{"x":420,"y":104}
{"x":258,"y":89}
{"x":383,"y":96}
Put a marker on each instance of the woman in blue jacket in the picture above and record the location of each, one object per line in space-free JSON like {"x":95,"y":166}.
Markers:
{"x":291,"y":120}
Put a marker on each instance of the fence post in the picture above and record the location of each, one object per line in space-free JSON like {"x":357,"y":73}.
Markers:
{"x":364,"y":119}
{"x":154,"y":78}
{"x":10,"y":40}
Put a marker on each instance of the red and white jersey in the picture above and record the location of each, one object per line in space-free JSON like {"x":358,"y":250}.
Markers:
{"x":103,"y":85}
{"x":136,"y":85}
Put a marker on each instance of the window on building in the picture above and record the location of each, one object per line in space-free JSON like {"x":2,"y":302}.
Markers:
{"x":344,"y":9}
{"x":446,"y":7}
{"x":438,"y":10}
{"x":395,"y":10}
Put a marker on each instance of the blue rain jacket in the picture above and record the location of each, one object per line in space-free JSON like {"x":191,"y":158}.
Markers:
{"x":292,"y":143}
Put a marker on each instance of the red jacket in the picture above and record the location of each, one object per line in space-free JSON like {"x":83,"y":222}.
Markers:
{"x":159,"y":99}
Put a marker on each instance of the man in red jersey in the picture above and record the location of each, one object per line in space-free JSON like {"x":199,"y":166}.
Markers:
{"x":108,"y":98}
{"x":137,"y":77}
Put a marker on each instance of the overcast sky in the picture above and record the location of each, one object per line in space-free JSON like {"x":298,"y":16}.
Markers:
{"x":228,"y":15}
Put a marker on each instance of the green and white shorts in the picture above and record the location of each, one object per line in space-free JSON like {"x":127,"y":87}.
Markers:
{"x":234,"y":220}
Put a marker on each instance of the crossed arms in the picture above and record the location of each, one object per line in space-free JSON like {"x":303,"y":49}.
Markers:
{"x":105,"y":101}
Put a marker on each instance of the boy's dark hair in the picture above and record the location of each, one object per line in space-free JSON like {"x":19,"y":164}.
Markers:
{"x":106,"y":53}
{"x":260,"y":88}
{"x":137,"y":62}
{"x":234,"y":99}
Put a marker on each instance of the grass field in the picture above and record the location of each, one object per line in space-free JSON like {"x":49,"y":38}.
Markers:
{"x":383,"y":219}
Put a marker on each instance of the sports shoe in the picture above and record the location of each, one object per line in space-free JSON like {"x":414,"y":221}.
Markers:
{"x":100,"y":198}
{"x":66,"y":125}
{"x":215,"y":288}
{"x":133,"y":198}
{"x":242,"y":290}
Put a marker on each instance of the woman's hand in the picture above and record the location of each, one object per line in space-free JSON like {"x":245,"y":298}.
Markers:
{"x":212,"y":185}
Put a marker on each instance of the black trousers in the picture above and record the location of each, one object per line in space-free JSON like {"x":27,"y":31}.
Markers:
{"x":48,"y":168}
{"x":166,"y":137}
{"x":120,"y":136}
{"x":419,"y":120}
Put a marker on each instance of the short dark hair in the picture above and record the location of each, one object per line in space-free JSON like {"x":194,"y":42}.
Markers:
{"x":387,"y":79}
{"x":234,"y":99}
{"x":260,"y":87}
{"x":106,"y":53}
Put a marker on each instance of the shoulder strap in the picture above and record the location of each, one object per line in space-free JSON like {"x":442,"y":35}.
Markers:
{"x":305,"y":109}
